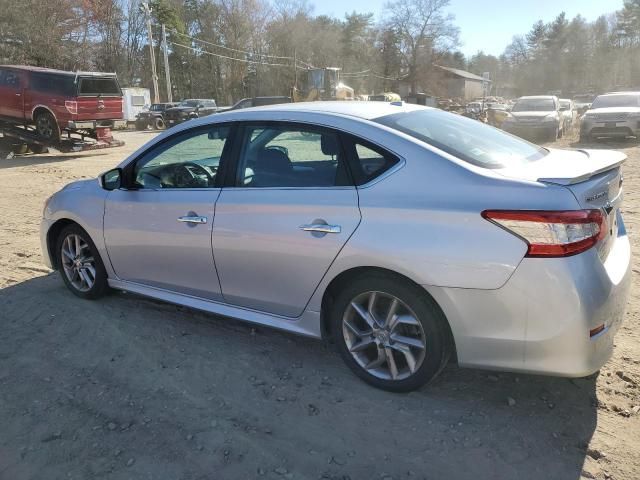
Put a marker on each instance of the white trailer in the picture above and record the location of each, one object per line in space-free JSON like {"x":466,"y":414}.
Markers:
{"x":134,"y":100}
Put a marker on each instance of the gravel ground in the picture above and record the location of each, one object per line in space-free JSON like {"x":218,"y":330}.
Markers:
{"x":129,"y":388}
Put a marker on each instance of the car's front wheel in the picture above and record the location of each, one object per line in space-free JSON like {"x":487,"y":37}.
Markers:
{"x":390,"y":333}
{"x":80,"y":264}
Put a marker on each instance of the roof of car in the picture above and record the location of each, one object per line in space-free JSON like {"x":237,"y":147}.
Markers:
{"x":536,"y":97}
{"x":58,"y":72}
{"x":362,"y":109}
{"x":619,"y":93}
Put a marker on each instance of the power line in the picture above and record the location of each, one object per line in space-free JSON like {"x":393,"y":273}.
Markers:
{"x":199,"y":50}
{"x":231,"y":49}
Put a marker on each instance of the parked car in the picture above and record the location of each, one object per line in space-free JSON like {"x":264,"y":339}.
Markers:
{"x":257,"y":102}
{"x":406,"y":234}
{"x":612,"y":115}
{"x":154,"y":116}
{"x":569,"y":114}
{"x":188,"y":109}
{"x":583,"y":102}
{"x":535,"y":116}
{"x":53,"y":100}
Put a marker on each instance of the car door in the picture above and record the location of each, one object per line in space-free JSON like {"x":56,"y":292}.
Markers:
{"x":284,"y":217}
{"x":11,"y":94}
{"x":158,"y":232}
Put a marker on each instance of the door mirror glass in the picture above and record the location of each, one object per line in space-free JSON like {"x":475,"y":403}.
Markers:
{"x":111,"y":180}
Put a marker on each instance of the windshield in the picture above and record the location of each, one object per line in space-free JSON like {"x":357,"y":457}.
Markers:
{"x":534,"y":105}
{"x":462,"y":137}
{"x":189,"y":103}
{"x":605,"y":101}
{"x":565,"y":103}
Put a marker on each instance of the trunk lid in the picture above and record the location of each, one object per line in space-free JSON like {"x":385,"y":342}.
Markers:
{"x":99,"y":98}
{"x":594,"y":178}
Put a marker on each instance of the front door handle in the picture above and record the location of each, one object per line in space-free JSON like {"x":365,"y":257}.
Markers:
{"x":193,"y":219}
{"x":321,"y":228}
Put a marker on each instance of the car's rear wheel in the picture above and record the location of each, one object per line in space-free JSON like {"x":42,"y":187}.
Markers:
{"x":390,"y":333}
{"x":47,"y":128}
{"x":80,"y":264}
{"x":158,"y":123}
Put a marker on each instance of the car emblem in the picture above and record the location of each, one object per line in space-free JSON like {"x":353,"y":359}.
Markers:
{"x":596,"y":196}
{"x":100,"y":104}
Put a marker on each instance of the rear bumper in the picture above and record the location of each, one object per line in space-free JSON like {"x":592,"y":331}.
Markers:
{"x":93,"y":124}
{"x":540,"y":320}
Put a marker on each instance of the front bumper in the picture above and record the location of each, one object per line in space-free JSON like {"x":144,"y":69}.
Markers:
{"x":619,"y":129}
{"x":540,"y":320}
{"x":530,"y":130}
{"x":93,"y":124}
{"x":45,"y":224}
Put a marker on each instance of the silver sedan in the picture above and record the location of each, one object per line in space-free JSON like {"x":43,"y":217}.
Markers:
{"x":407,"y":235}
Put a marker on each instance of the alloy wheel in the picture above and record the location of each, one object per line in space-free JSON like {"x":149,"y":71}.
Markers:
{"x":78,"y":262}
{"x":44,"y":127}
{"x":383,"y":335}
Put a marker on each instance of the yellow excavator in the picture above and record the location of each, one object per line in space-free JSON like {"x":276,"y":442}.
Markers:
{"x":322,"y":84}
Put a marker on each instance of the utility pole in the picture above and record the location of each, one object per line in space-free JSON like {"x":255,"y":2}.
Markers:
{"x":154,"y":75}
{"x":167,"y":74}
{"x":295,"y":68}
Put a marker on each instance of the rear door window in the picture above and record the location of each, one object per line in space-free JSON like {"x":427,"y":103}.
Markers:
{"x":291,"y":156}
{"x":90,"y":86}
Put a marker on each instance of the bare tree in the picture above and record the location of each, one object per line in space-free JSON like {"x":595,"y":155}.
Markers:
{"x":423,"y":28}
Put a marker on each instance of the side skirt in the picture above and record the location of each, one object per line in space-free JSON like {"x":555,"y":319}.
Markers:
{"x":308,"y":324}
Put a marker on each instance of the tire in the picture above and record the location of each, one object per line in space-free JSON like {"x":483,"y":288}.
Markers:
{"x":75,"y":276}
{"x":47,"y":128}
{"x":158,"y":124}
{"x":141,"y":125}
{"x":19,"y":148}
{"x":37,"y":148}
{"x":424,"y":332}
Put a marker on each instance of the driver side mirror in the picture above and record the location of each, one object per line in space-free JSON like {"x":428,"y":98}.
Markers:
{"x":111,"y":180}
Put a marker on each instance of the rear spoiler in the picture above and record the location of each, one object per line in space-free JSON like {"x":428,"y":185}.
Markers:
{"x":599,"y":165}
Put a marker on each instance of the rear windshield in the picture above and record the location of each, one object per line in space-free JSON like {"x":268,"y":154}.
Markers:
{"x":94,"y":86}
{"x":534,"y":105}
{"x":189,"y":103}
{"x":605,"y":101}
{"x":464,"y":138}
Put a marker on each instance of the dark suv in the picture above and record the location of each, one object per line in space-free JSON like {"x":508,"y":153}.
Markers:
{"x":154,"y":116}
{"x":188,"y":109}
{"x":54,"y":100}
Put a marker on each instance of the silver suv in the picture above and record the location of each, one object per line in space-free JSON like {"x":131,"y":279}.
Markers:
{"x":536,"y":116}
{"x":612,"y":115}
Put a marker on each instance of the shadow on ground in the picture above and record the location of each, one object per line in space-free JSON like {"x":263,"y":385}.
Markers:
{"x":126,"y":387}
{"x":30,"y":159}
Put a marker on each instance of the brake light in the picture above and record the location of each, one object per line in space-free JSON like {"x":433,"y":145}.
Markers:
{"x":71,"y":106}
{"x":552,"y":233}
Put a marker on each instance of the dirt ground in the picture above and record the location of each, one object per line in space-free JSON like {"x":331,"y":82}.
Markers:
{"x":129,"y":388}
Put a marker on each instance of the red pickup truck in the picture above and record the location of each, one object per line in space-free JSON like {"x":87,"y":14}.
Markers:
{"x":54,"y":101}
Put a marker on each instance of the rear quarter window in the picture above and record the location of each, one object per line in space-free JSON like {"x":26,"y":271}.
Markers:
{"x":56,"y":84}
{"x":90,"y":86}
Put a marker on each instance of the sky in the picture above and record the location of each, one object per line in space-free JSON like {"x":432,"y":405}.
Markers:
{"x":487,"y":25}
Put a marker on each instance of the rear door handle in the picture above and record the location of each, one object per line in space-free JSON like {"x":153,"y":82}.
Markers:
{"x":193,"y":219}
{"x":321,"y":228}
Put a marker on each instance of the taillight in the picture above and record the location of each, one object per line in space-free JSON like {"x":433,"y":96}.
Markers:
{"x":552,"y":233}
{"x":71,"y":106}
